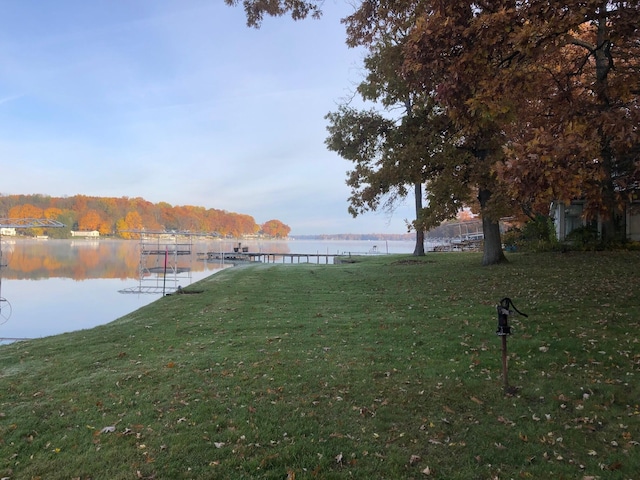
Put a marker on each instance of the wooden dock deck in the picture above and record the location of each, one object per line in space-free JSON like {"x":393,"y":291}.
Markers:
{"x":264,"y":257}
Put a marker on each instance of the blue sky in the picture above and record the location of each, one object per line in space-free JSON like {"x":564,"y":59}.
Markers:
{"x":181,"y":102}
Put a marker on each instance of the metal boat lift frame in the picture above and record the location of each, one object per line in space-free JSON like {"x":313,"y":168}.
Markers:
{"x":159,"y":268}
{"x":5,"y":306}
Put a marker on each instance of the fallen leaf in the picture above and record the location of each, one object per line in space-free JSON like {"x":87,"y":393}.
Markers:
{"x":414,"y":459}
{"x":218,"y":444}
{"x":506,"y":421}
{"x":339,"y":458}
{"x":109,"y":429}
{"x":427,"y":471}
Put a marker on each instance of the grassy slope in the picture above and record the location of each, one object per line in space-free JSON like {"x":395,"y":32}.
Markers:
{"x":385,"y":368}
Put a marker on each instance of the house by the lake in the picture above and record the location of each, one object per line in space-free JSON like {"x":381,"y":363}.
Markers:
{"x":85,"y":233}
{"x":567,"y":218}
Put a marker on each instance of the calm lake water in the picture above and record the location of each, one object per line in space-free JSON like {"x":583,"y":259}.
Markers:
{"x":49,"y":287}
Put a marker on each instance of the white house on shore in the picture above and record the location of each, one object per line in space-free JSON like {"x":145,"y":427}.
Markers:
{"x":7,"y":232}
{"x":85,"y":233}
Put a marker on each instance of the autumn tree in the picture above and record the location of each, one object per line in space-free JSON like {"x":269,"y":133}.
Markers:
{"x":579,"y":135}
{"x":389,"y":154}
{"x":91,"y":220}
{"x":257,"y":9}
{"x":449,"y":53}
{"x":120,"y":214}
{"x":165,"y":216}
{"x":26,"y":211}
{"x":52,"y":213}
{"x":553,"y":85}
{"x":66,"y":217}
{"x":275,"y":228}
{"x":129,"y":225}
{"x":442,"y":55}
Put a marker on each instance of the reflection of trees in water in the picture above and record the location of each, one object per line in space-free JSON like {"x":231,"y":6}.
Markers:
{"x":85,"y":259}
{"x":79,"y":260}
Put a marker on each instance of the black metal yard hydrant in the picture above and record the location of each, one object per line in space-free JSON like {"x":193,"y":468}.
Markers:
{"x":503,"y":331}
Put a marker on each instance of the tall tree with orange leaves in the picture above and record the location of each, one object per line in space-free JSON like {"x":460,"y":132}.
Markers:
{"x":275,"y":228}
{"x":578,"y":135}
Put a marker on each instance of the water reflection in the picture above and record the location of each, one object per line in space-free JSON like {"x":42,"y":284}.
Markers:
{"x":79,"y":260}
{"x":57,"y":286}
{"x":86,"y":259}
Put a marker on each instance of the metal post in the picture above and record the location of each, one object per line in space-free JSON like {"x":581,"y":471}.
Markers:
{"x":503,"y":331}
{"x":504,"y":364}
{"x":164,"y":277}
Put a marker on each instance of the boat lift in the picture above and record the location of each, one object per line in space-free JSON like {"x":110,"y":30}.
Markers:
{"x":18,"y":223}
{"x":160,"y":269}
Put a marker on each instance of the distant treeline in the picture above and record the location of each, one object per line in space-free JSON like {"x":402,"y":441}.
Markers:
{"x":357,"y":236}
{"x":121,"y":216}
{"x":451,"y":229}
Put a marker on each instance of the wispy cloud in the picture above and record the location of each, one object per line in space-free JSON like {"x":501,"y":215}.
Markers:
{"x":10,"y":98}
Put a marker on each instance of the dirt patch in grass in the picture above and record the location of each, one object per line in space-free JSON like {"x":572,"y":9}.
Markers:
{"x":412,"y":261}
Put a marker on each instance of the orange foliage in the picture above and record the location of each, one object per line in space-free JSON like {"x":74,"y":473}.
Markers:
{"x":275,"y":228}
{"x":89,"y":221}
{"x":465,"y":215}
{"x":52,"y":213}
{"x":26,"y":211}
{"x":111,"y":215}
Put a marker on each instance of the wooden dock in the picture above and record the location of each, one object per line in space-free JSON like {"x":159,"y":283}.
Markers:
{"x":245,"y":257}
{"x":169,"y":249}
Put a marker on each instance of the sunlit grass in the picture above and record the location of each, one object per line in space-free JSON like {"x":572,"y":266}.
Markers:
{"x":384,"y":368}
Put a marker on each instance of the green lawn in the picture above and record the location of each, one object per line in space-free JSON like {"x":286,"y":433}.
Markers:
{"x":386,"y":368}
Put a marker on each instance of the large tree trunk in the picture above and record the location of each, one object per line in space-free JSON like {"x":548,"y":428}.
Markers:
{"x":608,"y":231}
{"x":604,"y":63}
{"x":419,"y":250}
{"x":493,"y":253}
